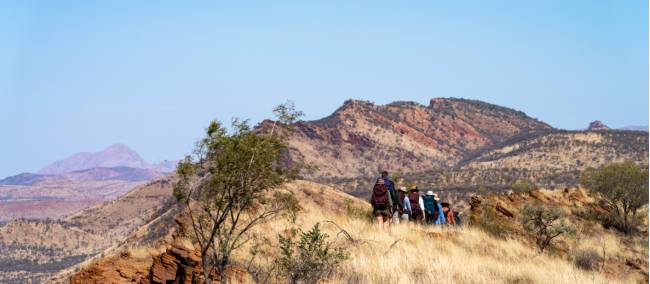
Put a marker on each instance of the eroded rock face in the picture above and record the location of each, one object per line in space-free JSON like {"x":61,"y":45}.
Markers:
{"x":179,"y":264}
{"x":361,"y":138}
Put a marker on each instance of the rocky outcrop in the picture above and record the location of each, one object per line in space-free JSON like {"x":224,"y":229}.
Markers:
{"x":178,"y":264}
{"x":597,"y":125}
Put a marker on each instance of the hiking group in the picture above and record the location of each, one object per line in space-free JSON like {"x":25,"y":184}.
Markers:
{"x":391,"y":206}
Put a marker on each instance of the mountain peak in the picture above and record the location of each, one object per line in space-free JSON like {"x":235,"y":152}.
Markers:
{"x":116,"y":155}
{"x":597,"y":125}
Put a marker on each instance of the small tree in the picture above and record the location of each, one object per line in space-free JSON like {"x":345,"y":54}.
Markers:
{"x":310,"y":259}
{"x":624,"y":188}
{"x":544,"y":224}
{"x":225,"y":187}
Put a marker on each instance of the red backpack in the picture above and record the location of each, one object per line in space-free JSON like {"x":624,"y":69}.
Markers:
{"x":414,"y":198}
{"x":379,"y":199}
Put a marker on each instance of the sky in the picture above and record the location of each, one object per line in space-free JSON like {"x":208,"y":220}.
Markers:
{"x":81,"y":75}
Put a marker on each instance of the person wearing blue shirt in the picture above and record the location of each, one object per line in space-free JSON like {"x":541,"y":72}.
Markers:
{"x":441,"y":215}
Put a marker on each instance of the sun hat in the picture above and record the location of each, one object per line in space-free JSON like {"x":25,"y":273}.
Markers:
{"x":413,"y":187}
{"x":429,"y":192}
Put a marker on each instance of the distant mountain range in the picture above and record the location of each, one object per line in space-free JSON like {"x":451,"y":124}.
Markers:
{"x":636,"y":128}
{"x":116,"y":155}
{"x":76,"y":182}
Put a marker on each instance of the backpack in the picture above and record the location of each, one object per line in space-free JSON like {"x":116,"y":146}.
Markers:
{"x":400,"y":201}
{"x":430,"y":204}
{"x":414,"y":198}
{"x":379,"y":199}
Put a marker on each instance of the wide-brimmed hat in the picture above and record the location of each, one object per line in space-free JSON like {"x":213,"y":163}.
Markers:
{"x":380,"y":181}
{"x":413,"y":187}
{"x":402,"y":188}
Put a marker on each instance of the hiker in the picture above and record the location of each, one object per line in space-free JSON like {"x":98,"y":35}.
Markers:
{"x":457,"y":219}
{"x":416,"y":204}
{"x":449,"y":214}
{"x":381,"y":203}
{"x":440,"y":219}
{"x":403,"y":205}
{"x":393,"y":195}
{"x":430,"y":207}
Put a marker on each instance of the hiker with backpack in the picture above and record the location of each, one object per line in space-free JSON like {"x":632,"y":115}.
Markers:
{"x":430,"y":207}
{"x":382,"y":203}
{"x":440,"y":219}
{"x":390,"y":185}
{"x":403,"y":205}
{"x":449,"y":214}
{"x":416,"y":204}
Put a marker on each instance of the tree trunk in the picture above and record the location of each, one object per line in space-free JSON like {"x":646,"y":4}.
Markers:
{"x":223,"y":276}
{"x":206,"y":270}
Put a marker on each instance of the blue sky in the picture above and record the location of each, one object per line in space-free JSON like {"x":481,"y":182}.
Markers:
{"x":81,"y":75}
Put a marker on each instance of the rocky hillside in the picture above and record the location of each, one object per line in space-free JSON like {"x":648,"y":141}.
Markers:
{"x":37,"y":196}
{"x":416,"y":254}
{"x":452,"y":144}
{"x":361,"y":138}
{"x":34,"y":250}
{"x":552,"y":160}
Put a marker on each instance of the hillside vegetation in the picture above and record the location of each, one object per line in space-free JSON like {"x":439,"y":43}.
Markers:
{"x":36,"y":249}
{"x":404,"y":254}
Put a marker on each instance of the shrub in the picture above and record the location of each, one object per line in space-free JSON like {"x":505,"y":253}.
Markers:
{"x":587,"y":259}
{"x":624,"y":188}
{"x":523,"y":186}
{"x":544,"y":224}
{"x":310,"y":259}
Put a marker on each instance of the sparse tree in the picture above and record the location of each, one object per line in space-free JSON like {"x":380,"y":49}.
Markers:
{"x":230,"y":185}
{"x":624,"y":188}
{"x":545,"y":224}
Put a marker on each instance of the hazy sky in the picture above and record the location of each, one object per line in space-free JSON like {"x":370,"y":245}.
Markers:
{"x":79,"y":76}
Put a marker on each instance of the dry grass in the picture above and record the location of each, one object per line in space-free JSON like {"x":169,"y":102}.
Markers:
{"x":416,"y":254}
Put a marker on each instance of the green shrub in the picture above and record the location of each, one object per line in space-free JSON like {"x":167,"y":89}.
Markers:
{"x":311,"y":258}
{"x":544,"y":224}
{"x":624,"y":188}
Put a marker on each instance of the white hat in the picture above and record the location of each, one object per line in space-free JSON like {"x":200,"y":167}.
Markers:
{"x":429,"y":192}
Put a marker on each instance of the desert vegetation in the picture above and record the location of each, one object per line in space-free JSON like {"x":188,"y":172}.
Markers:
{"x":624,"y":188}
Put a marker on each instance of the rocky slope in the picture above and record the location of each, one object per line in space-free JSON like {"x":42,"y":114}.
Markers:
{"x":37,"y":249}
{"x":452,"y":144}
{"x":361,"y":138}
{"x":461,"y":256}
{"x":36,"y":196}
